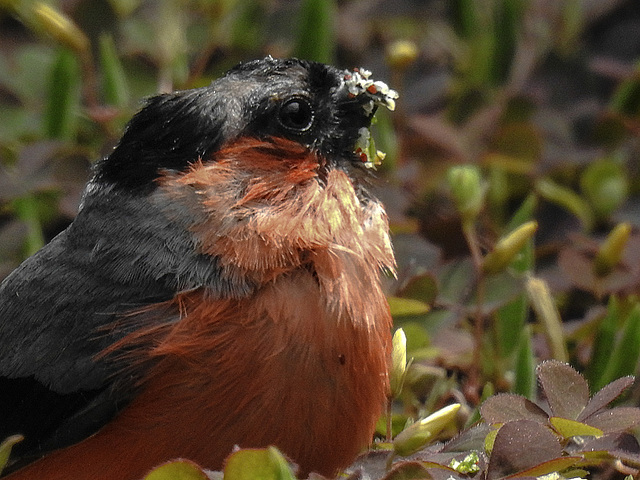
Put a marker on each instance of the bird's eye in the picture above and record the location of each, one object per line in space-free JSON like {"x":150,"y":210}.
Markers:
{"x":296,"y":114}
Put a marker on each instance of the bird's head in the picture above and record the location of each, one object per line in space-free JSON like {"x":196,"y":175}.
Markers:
{"x":323,"y":109}
{"x":258,"y":167}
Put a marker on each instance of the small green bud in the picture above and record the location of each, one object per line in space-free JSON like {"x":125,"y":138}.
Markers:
{"x":398,"y":362}
{"x":508,"y":247}
{"x":611,"y":250}
{"x":605,"y":184}
{"x":417,"y":435}
{"x":401,"y":54}
{"x":465,"y":183}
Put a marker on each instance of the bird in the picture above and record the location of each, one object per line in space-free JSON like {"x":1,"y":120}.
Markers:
{"x":220,"y":287}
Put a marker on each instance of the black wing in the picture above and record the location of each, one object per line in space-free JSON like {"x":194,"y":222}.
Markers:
{"x":120,"y":253}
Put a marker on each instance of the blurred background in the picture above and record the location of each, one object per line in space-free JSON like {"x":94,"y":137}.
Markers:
{"x":514,"y":116}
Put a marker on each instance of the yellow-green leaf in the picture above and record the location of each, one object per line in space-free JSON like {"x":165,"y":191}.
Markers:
{"x":567,"y":199}
{"x":549,"y":317}
{"x":508,"y":247}
{"x":570,"y":428}
{"x":177,"y":470}
{"x":53,"y":22}
{"x":610,"y":252}
{"x":5,"y":449}
{"x":407,"y":307}
{"x":257,"y":464}
{"x":424,"y":431}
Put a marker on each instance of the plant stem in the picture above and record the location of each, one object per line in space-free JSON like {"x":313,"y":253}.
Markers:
{"x":473,"y":383}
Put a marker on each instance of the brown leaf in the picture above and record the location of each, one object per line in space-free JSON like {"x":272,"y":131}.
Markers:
{"x":513,"y":452}
{"x":509,"y":407}
{"x":604,"y":396}
{"x":617,"y":419}
{"x":565,"y":389}
{"x":623,"y":446}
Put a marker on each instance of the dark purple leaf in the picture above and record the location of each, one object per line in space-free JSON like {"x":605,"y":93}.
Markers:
{"x":619,"y":445}
{"x":521,"y":445}
{"x":616,"y":419}
{"x":566,"y":390}
{"x":604,"y":396}
{"x":509,"y":407}
{"x":614,"y":441}
{"x":371,"y":464}
{"x":471,"y":439}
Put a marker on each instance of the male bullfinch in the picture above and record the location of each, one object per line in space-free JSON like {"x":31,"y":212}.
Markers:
{"x":219,"y":286}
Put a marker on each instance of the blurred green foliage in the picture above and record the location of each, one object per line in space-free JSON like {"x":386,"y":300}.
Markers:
{"x":512,"y":114}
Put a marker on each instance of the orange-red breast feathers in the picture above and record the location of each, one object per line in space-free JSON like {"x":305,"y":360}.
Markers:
{"x":302,"y":364}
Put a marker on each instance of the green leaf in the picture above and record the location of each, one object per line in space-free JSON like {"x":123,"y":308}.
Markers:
{"x":525,"y":371}
{"x":407,"y":307}
{"x":567,"y":199}
{"x":177,"y":470}
{"x":513,"y":316}
{"x":419,"y":434}
{"x":507,"y":24}
{"x":257,"y":464}
{"x":525,"y":212}
{"x":626,"y":99}
{"x":63,"y":103}
{"x":5,"y":449}
{"x":603,"y":345}
{"x":464,"y":17}
{"x":114,"y":81}
{"x":316,"y":31}
{"x":570,"y":428}
{"x":623,"y":359}
{"x":509,"y":319}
